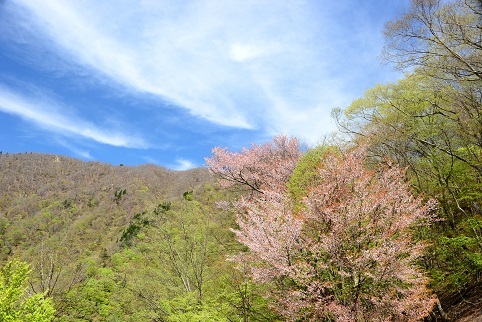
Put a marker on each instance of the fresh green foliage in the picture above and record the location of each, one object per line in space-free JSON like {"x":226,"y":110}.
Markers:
{"x":15,"y":303}
{"x":188,"y":308}
{"x":305,"y":174}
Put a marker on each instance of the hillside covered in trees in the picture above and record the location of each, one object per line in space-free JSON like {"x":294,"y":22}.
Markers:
{"x":384,"y":224}
{"x":115,"y":243}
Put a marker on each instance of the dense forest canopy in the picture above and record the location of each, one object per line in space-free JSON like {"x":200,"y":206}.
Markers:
{"x":383,"y":225}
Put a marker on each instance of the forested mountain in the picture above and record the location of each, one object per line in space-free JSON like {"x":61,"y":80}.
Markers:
{"x":117,"y":243}
{"x":44,"y":196}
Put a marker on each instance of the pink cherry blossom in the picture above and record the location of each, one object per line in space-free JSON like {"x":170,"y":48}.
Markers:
{"x":350,"y":254}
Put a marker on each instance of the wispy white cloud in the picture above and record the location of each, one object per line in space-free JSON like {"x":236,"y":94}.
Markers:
{"x":277,"y":66}
{"x":180,"y":164}
{"x":55,"y":118}
{"x":151,"y":160}
{"x":183,"y":164}
{"x":84,"y":154}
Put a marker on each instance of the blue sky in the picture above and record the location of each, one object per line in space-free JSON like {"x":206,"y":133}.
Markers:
{"x":163,"y":82}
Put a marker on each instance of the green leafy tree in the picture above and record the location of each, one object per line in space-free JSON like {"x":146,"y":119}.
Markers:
{"x":187,"y":307}
{"x":15,"y":304}
{"x":414,"y":124}
{"x":94,"y":300}
{"x":305,"y":174}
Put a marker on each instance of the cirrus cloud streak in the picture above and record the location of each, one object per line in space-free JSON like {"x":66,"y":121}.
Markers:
{"x":52,"y":117}
{"x":274,"y":66}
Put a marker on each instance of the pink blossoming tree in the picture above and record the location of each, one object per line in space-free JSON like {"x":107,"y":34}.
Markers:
{"x":349,"y":253}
